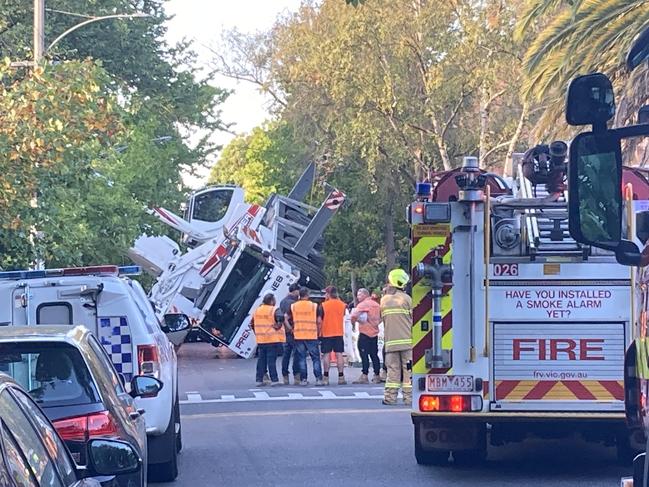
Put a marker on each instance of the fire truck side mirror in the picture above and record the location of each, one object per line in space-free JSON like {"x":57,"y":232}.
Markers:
{"x":639,"y":51}
{"x":595,"y":188}
{"x":590,"y":101}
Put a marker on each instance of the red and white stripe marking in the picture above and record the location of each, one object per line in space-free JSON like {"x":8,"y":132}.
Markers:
{"x":335,"y":200}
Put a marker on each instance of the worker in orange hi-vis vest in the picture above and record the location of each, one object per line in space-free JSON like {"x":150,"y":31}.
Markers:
{"x":306,"y":317}
{"x":270,"y":336}
{"x":396,"y":311}
{"x":332,"y":338}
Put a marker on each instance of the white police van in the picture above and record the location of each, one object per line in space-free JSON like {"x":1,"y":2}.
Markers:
{"x":115,"y":308}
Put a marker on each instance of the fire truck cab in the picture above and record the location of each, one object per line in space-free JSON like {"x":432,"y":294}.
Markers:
{"x":518,"y":329}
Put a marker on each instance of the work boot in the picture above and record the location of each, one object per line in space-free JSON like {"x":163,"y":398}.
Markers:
{"x":286,"y":381}
{"x":325,"y":381}
{"x":320,"y":382}
{"x":388,"y":403}
{"x":376,"y":379}
{"x":362,"y":380}
{"x":266,"y":379}
{"x":297,"y":379}
{"x":341,"y":380}
{"x":407,"y":396}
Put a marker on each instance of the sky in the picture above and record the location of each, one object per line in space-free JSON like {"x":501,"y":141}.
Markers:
{"x":203,"y":21}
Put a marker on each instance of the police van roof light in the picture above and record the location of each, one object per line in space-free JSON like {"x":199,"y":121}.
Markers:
{"x":91,"y":270}
{"x":22,"y":274}
{"x":130,"y":270}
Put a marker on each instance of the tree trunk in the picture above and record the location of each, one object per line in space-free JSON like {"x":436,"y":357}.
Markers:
{"x":354,"y":287}
{"x":484,"y":125}
{"x":441,"y":144}
{"x":390,"y":252}
{"x":508,"y":170}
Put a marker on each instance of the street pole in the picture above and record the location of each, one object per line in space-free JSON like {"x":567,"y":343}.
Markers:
{"x":39,"y":30}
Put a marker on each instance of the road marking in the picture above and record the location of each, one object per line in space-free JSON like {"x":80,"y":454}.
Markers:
{"x":324,"y":395}
{"x":291,"y":397}
{"x":297,"y":412}
{"x":194,"y":397}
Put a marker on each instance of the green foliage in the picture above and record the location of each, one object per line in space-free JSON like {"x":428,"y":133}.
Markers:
{"x":89,"y":144}
{"x":385,"y":95}
{"x":579,"y":37}
{"x":265,"y":161}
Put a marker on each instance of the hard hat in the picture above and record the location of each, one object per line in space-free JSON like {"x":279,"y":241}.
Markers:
{"x":398,"y":278}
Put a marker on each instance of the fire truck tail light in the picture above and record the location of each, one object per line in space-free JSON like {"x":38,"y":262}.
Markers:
{"x":429,"y":403}
{"x":455,"y":403}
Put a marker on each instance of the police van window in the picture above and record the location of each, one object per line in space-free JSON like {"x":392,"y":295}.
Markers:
{"x":54,"y":314}
{"x":211,"y":206}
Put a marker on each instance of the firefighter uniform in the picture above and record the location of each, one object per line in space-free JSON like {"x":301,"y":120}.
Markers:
{"x":396,"y":311}
{"x":269,"y":339}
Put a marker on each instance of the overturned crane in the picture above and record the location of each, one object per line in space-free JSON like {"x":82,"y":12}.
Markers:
{"x":237,"y":252}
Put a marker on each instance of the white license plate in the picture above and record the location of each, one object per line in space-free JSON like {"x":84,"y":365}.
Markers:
{"x":449,"y":383}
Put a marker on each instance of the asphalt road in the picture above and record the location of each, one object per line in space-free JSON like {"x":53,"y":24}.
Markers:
{"x":236,"y":435}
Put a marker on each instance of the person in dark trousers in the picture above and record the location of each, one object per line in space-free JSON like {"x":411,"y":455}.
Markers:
{"x":270,"y":336}
{"x":306,"y":317}
{"x":367,"y":315}
{"x":289,"y":346}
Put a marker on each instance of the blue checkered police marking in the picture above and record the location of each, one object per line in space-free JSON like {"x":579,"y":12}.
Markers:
{"x":115,"y":336}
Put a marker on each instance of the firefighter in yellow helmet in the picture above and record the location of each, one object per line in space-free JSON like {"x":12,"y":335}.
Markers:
{"x":396,"y":311}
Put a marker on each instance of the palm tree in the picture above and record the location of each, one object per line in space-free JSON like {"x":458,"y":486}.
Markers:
{"x":578,"y":37}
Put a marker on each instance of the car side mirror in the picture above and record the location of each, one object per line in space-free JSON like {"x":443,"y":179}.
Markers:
{"x":145,"y":386}
{"x":174,"y":322}
{"x":590,"y":101}
{"x":112,"y":457}
{"x":595,"y":189}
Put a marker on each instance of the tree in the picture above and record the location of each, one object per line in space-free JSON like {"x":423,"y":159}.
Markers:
{"x":91,"y":192}
{"x":390,"y":92}
{"x":268,"y":160}
{"x":578,"y":37}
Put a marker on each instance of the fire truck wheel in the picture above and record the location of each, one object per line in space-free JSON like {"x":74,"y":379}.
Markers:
{"x":469,"y":457}
{"x":429,"y":457}
{"x":474,"y":456}
{"x":624,"y":450}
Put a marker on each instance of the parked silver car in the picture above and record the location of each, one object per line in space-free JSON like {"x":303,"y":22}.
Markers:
{"x":69,"y":375}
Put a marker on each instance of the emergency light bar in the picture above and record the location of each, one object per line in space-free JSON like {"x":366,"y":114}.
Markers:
{"x":22,"y":274}
{"x":98,"y":270}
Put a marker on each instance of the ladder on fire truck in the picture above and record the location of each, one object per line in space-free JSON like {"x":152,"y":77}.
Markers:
{"x":547,"y":228}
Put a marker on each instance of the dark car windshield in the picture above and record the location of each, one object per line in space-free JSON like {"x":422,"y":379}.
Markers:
{"x":239,"y":292}
{"x":54,"y":374}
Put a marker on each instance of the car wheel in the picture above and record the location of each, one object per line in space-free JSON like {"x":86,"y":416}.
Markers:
{"x":429,"y":457}
{"x":179,"y":435}
{"x":167,"y":471}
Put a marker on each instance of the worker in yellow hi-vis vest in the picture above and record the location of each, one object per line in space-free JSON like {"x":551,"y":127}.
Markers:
{"x":396,"y":311}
